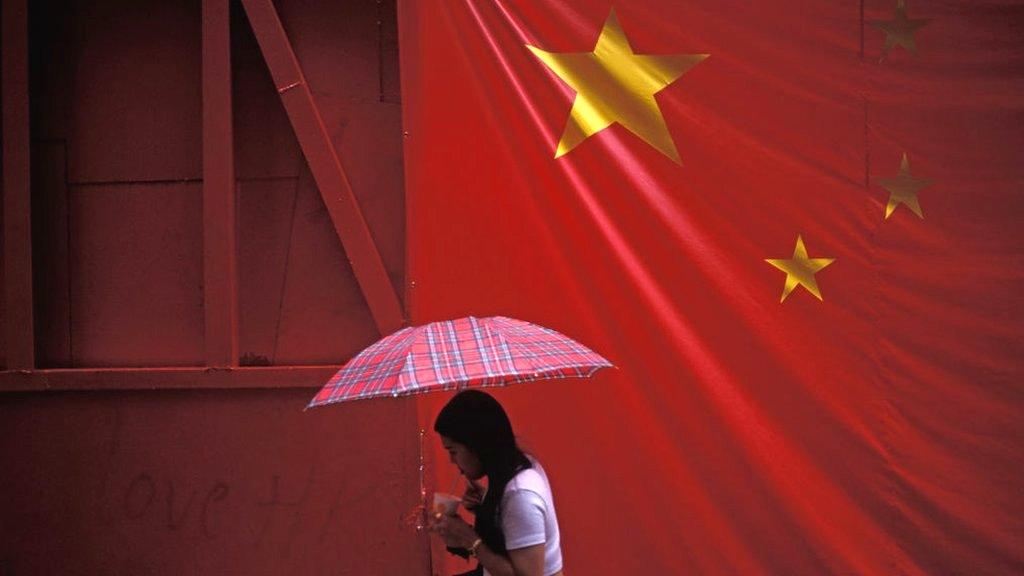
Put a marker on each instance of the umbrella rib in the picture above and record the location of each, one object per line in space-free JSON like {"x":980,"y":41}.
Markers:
{"x":408,"y":383}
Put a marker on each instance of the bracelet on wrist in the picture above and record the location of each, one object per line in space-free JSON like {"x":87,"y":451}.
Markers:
{"x":473,"y":547}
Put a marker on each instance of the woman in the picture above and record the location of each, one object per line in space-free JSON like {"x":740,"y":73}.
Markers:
{"x":516,"y":531}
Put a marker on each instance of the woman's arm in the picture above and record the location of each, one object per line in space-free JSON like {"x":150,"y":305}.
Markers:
{"x":527,"y":561}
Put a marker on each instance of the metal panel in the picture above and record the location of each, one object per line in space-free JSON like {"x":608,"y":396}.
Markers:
{"x":178,"y":378}
{"x":49,"y":78}
{"x":50,"y":254}
{"x":325,"y":166}
{"x":136,"y":275}
{"x":343,"y":61}
{"x":266,"y":211}
{"x":108,"y":472}
{"x":342,"y":54}
{"x":387,"y":26}
{"x":341,"y":324}
{"x":136,"y":99}
{"x":206,"y":483}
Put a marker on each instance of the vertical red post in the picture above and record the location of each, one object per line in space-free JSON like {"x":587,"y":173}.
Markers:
{"x":18,"y":327}
{"x":219,"y":263}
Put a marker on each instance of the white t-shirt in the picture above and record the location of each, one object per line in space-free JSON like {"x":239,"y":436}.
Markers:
{"x":528,"y":516}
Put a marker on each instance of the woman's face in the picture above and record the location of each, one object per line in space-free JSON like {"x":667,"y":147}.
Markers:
{"x":468,"y":462}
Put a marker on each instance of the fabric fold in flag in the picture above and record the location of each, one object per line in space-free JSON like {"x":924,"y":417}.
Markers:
{"x":637,"y":174}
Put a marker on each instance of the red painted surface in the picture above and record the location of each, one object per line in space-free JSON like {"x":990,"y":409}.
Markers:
{"x":134,"y":104}
{"x":335,"y":190}
{"x":120,"y":239}
{"x":117,"y":476}
{"x":205,"y":482}
{"x":51,"y":273}
{"x":136,"y":281}
{"x":156,"y":378}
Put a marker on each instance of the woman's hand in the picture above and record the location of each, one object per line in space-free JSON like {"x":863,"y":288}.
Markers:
{"x":473,"y":496}
{"x":454,"y":531}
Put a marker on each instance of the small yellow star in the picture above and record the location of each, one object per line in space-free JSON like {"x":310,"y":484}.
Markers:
{"x":800,"y":270}
{"x":900,"y":30}
{"x":615,"y":85}
{"x":903,"y":189}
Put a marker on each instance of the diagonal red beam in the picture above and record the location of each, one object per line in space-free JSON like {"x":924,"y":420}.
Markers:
{"x":18,"y":322}
{"x":220,"y":291}
{"x":324,"y":164}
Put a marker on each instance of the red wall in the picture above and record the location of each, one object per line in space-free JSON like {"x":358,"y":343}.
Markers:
{"x":183,"y":481}
{"x":205,"y":482}
{"x":117,"y":189}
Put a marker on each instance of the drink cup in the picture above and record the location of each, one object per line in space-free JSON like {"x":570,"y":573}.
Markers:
{"x":446,"y":504}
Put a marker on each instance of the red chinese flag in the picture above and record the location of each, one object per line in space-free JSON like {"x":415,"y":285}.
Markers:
{"x":818,"y":342}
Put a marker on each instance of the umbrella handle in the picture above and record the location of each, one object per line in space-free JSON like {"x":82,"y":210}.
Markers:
{"x":422,"y":518}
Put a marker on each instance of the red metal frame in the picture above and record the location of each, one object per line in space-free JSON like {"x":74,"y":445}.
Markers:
{"x":18,"y":324}
{"x":324,"y":164}
{"x":220,"y":269}
{"x":219,"y":261}
{"x":164,"y":378}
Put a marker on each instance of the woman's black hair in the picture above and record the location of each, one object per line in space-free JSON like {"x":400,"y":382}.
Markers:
{"x":476,"y":420}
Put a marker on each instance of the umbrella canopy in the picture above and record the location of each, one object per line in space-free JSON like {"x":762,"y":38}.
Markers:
{"x":462,"y":353}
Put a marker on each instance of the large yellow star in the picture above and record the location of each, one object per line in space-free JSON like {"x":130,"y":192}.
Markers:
{"x":614,"y":85}
{"x":800,"y":270}
{"x":900,"y":30}
{"x":903,"y":189}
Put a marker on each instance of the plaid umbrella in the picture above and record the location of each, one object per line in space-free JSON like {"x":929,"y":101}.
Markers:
{"x":462,"y":353}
